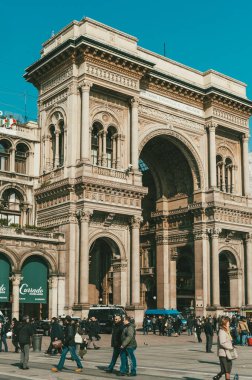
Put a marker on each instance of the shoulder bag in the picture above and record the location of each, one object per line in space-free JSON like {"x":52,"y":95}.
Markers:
{"x":78,"y":338}
{"x":232,"y":354}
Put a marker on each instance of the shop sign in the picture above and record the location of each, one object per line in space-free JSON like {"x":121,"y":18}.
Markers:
{"x":4,"y":280}
{"x":33,"y":288}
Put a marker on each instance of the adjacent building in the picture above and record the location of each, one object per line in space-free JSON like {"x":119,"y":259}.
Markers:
{"x":138,"y":182}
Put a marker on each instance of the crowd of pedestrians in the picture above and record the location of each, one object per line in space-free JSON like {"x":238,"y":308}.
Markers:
{"x":76,"y":337}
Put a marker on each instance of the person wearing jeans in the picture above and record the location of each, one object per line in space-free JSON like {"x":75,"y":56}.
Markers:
{"x":68,"y":345}
{"x":116,"y":341}
{"x":128,"y":348}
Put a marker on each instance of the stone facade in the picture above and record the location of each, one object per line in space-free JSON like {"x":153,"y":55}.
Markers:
{"x":144,"y":170}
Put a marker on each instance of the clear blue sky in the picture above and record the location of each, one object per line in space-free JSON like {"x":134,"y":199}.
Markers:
{"x":214,"y":34}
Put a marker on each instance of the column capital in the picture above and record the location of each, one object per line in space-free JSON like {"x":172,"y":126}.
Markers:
{"x":16,"y":279}
{"x":136,"y":221}
{"x":245,"y":137}
{"x":134,"y":102}
{"x":248,"y":237}
{"x":84,"y":215}
{"x":200,"y":234}
{"x":85,"y":85}
{"x":73,"y":89}
{"x":211,"y":126}
{"x":174,"y":254}
{"x":214,"y":232}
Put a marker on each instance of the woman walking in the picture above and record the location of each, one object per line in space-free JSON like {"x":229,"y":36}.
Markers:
{"x":224,"y":349}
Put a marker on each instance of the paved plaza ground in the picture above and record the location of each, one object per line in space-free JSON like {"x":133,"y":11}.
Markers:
{"x":158,"y":358}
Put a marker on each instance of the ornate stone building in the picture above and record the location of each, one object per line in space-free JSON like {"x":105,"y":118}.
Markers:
{"x":144,"y":171}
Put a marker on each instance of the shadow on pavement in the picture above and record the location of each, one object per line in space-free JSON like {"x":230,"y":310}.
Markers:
{"x":204,"y":361}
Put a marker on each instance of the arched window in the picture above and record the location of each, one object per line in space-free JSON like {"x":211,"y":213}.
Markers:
{"x":5,"y":155}
{"x":111,"y":147}
{"x":96,"y":144}
{"x":219,"y":163}
{"x":61,"y":143}
{"x":53,"y":146}
{"x":21,"y":158}
{"x":228,"y":175}
{"x":11,"y":212}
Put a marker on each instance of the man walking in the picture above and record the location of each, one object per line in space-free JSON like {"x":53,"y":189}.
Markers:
{"x":68,"y":345}
{"x":128,"y":347}
{"x":116,"y":341}
{"x":209,"y":331}
{"x":25,"y":333}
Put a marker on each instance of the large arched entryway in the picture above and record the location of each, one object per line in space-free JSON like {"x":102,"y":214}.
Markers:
{"x":170,"y":173}
{"x":104,"y":284}
{"x":33,"y":290}
{"x":5,"y":285}
{"x":229,"y":279}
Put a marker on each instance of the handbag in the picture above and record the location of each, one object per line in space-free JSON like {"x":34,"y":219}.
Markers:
{"x":57,"y":343}
{"x":78,"y":338}
{"x":232,"y":354}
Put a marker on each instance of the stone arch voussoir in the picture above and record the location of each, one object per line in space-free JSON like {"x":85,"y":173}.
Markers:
{"x":48,"y":257}
{"x":111,"y":236}
{"x":187,"y":148}
{"x":11,"y":256}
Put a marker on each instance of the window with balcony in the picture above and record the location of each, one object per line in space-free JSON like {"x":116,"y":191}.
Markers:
{"x":5,"y":155}
{"x":225,"y":174}
{"x":96,"y":144}
{"x":21,"y":157}
{"x":111,"y":147}
{"x":11,"y":211}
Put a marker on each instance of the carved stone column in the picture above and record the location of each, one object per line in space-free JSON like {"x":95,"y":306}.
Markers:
{"x":214,"y":233}
{"x":248,"y":250}
{"x":245,"y":161}
{"x":72,"y":243}
{"x":56,"y":162}
{"x":85,"y":143}
{"x":233,"y":179}
{"x":84,"y":256}
{"x":53,"y":296}
{"x":235,"y":277}
{"x":135,"y":260}
{"x":212,"y":154}
{"x":118,"y":152}
{"x":16,"y":280}
{"x":173,"y":277}
{"x":162,"y":265}
{"x":99,"y":159}
{"x":72,"y":130}
{"x":134,"y":133}
{"x":201,"y":269}
{"x":12,"y":160}
{"x":120,"y":282}
{"x":114,"y":151}
{"x":104,"y":148}
{"x":61,"y":294}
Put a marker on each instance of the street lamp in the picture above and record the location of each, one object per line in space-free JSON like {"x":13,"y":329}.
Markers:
{"x":100,"y":299}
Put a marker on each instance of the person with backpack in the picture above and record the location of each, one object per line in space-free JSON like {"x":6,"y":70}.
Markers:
{"x":25,"y":332}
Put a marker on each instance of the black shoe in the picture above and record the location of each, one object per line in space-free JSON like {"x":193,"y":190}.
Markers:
{"x":217,"y":377}
{"x":122,"y":374}
{"x":25,"y":367}
{"x":108,"y":370}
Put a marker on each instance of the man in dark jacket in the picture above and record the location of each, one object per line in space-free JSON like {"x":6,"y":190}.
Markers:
{"x":56,"y":333}
{"x":93,"y":329}
{"x":128,"y":347}
{"x":209,"y":331}
{"x":14,"y":337}
{"x":25,"y":333}
{"x":68,"y":345}
{"x":116,"y":341}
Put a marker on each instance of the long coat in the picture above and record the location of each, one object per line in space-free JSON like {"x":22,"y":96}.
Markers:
{"x":224,"y":343}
